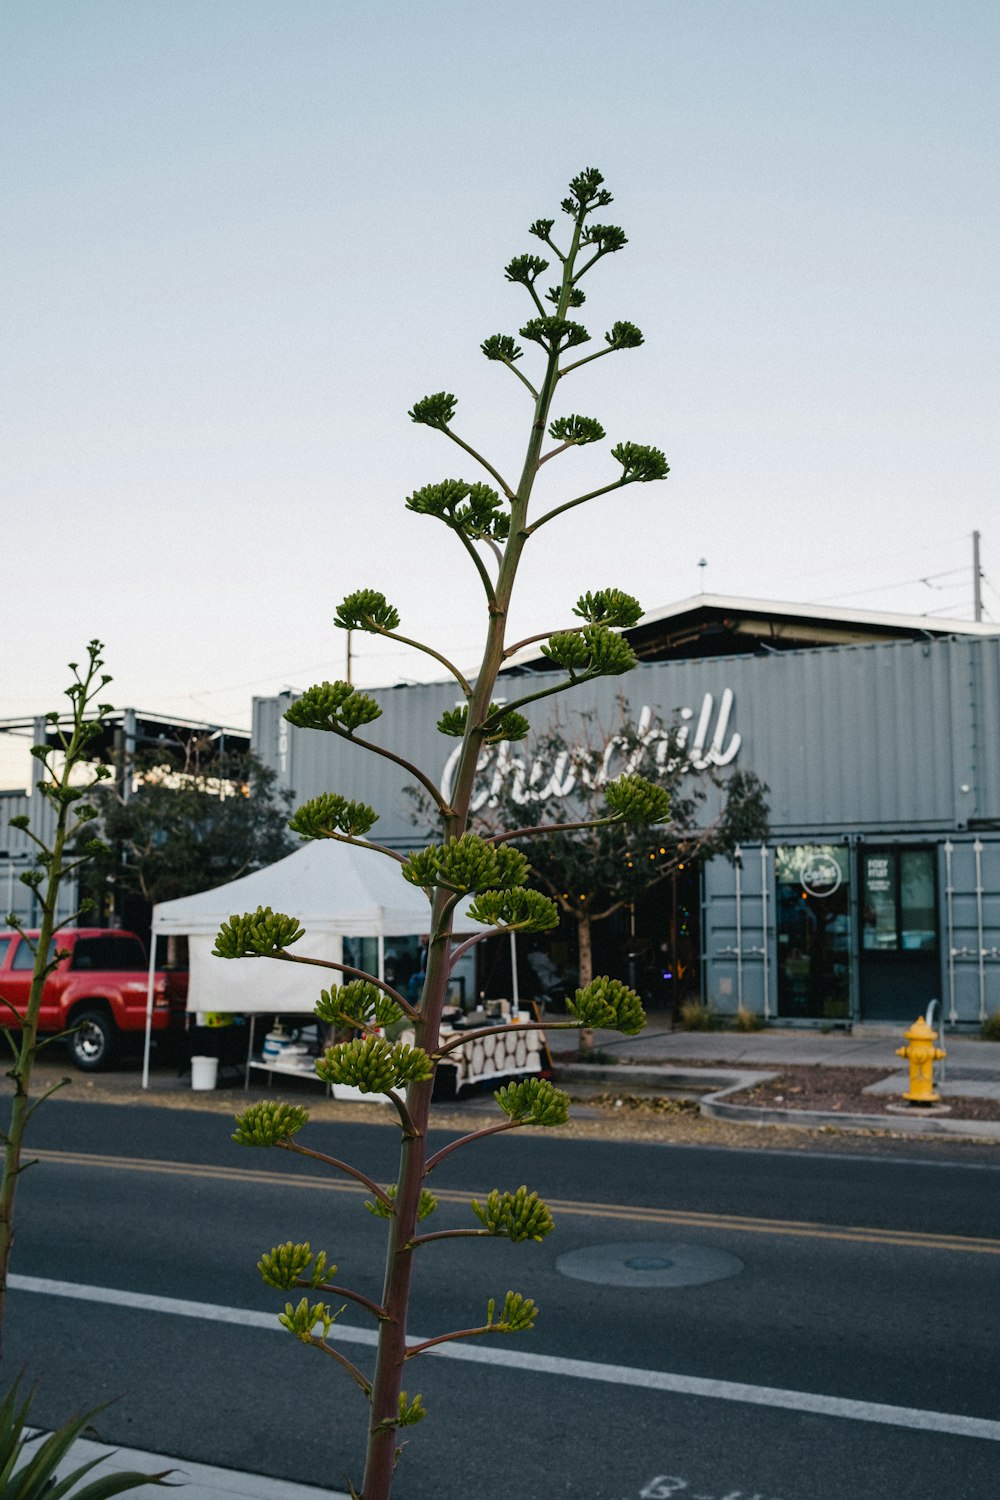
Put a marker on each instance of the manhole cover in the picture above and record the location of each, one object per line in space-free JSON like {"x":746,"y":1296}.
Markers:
{"x":657,"y":1264}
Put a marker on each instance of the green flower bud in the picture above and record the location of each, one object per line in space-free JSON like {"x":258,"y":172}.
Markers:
{"x":641,"y":463}
{"x":470,"y":863}
{"x":519,"y":910}
{"x":502,"y":347}
{"x":624,"y":336}
{"x":636,"y":800}
{"x":331,"y":814}
{"x":534,"y":1101}
{"x":374,"y":1065}
{"x":610,"y":1005}
{"x":434,"y":411}
{"x":428,"y":1203}
{"x":357,"y":1003}
{"x":366,"y":609}
{"x":555,"y":333}
{"x":609,"y":607}
{"x":287,"y":1265}
{"x":269,"y":1122}
{"x":526,"y":269}
{"x":519,"y":1314}
{"x":257,"y":934}
{"x":577,"y":430}
{"x":516,"y":1216}
{"x":334,"y":706}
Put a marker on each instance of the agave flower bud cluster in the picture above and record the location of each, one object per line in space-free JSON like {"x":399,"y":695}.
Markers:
{"x":257,"y":934}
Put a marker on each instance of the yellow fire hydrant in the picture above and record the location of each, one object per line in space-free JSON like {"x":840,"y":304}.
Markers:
{"x":921,"y":1054}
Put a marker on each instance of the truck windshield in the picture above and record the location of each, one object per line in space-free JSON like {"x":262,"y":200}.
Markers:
{"x":113,"y":952}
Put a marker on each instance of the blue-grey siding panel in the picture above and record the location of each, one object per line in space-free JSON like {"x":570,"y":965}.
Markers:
{"x":849,"y":739}
{"x":738,"y":933}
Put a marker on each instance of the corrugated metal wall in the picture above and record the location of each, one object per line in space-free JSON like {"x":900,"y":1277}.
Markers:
{"x":854,"y":738}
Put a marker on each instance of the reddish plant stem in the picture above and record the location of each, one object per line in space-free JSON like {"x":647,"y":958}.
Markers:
{"x":464,"y":1140}
{"x":340,"y":1166}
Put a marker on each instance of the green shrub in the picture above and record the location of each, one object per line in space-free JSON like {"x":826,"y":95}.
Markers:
{"x":747,"y":1020}
{"x":695,"y":1016}
{"x":991,"y":1027}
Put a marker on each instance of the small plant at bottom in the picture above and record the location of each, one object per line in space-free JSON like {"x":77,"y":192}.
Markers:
{"x":696,"y":1016}
{"x":990,"y":1029}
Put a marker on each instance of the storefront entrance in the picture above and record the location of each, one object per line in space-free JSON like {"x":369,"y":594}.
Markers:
{"x":899,"y":959}
{"x":813,"y":913}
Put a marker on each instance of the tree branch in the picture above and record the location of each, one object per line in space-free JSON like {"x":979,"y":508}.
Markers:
{"x":598,"y":354}
{"x":340,"y":1166}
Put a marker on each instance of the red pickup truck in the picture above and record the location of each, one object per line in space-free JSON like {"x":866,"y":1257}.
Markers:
{"x":98,"y":992}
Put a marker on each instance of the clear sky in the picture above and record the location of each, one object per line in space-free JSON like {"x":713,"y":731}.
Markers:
{"x":241,"y":237}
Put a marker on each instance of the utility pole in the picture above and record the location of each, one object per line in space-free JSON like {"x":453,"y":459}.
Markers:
{"x":350,"y":633}
{"x":977,"y":580}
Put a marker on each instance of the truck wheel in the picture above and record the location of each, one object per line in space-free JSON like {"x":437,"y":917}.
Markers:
{"x":93,"y":1040}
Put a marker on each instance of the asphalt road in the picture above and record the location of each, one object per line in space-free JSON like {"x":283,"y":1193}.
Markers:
{"x":850,"y":1279}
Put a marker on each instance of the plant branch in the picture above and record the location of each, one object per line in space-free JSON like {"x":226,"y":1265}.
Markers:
{"x":540,"y":828}
{"x":475,"y":1135}
{"x":405,"y":640}
{"x":446,"y":1234}
{"x":472,"y":1036}
{"x":581,"y":500}
{"x":407,"y":765}
{"x":328,"y":963}
{"x":522,"y":378}
{"x":342,"y":1291}
{"x":554,"y":451}
{"x":340,"y":1166}
{"x":406,"y":1119}
{"x":479,"y":460}
{"x":480,"y":565}
{"x":598,"y":354}
{"x":445,"y":1338}
{"x":342,"y":1359}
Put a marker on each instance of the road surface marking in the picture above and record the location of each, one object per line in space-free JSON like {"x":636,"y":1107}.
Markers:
{"x":544,"y":1364}
{"x":633,"y":1213}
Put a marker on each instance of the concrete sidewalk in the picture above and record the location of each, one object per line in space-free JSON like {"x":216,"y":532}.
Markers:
{"x":972,"y":1063}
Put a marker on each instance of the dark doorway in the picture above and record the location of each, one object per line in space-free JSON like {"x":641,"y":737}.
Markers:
{"x":900,"y":962}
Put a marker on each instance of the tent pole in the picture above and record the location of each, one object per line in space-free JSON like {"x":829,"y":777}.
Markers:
{"x":149,"y":1006}
{"x":515,"y":993}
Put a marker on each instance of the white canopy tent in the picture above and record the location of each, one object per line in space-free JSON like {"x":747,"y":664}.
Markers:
{"x":336,"y":890}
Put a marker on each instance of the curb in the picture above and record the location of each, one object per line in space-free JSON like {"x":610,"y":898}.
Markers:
{"x":718,"y":1083}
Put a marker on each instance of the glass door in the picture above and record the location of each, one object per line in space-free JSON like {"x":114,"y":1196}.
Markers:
{"x":900,"y":958}
{"x":813,"y":915}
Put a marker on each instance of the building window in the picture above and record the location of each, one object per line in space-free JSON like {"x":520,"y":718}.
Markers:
{"x":898,"y":901}
{"x":814,"y":931}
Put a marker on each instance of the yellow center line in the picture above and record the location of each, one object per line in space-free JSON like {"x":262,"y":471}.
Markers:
{"x":677,"y":1218}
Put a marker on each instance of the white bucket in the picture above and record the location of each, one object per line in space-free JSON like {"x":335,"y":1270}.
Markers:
{"x":204,"y":1071}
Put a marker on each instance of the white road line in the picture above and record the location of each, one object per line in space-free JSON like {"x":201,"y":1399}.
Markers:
{"x":545,"y":1364}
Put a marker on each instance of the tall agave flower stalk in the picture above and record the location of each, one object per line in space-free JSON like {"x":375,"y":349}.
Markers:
{"x":494,"y":522}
